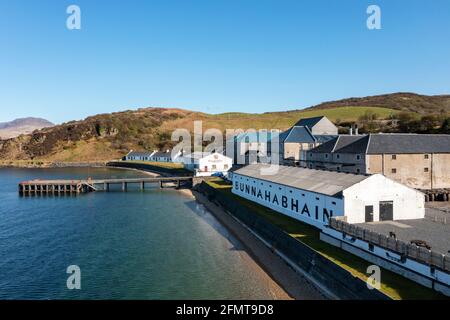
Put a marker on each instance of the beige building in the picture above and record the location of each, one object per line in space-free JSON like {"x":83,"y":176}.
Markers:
{"x":419,"y":161}
{"x":318,"y":125}
{"x":305,"y":135}
{"x":289,"y":146}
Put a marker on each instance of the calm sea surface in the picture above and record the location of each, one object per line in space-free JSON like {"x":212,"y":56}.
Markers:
{"x":136,"y":245}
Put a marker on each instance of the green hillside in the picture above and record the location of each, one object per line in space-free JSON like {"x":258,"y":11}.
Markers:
{"x":110,"y":136}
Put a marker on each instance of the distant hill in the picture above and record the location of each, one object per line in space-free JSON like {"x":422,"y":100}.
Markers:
{"x":402,"y":101}
{"x":22,"y":126}
{"x":110,"y":136}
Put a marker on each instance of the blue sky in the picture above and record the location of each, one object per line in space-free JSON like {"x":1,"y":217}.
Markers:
{"x":214,"y":55}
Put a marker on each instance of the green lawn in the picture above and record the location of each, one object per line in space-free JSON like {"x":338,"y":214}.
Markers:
{"x":392,"y":284}
{"x":167,"y":165}
{"x":175,"y":168}
{"x":287,"y":119}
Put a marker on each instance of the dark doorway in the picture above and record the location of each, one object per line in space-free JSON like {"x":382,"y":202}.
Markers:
{"x":369,"y":213}
{"x":386,"y":210}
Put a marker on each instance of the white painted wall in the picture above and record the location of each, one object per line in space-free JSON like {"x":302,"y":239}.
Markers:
{"x":324,"y":126}
{"x":315,"y":203}
{"x":138,"y":158}
{"x":408,"y":203}
{"x":208,"y":165}
{"x":390,"y":259}
{"x":215,"y":162}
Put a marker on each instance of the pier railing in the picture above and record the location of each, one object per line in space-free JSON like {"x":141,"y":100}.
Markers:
{"x":404,"y":249}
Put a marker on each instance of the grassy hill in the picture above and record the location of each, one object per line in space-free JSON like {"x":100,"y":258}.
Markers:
{"x":110,"y":136}
{"x":272,"y":120}
{"x":402,"y":101}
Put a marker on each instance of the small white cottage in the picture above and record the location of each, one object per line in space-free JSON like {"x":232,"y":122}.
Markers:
{"x":206,"y":164}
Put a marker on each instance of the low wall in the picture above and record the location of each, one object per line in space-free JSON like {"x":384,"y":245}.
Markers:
{"x":406,"y":250}
{"x":147,"y":167}
{"x":336,"y":279}
{"x":395,"y":260}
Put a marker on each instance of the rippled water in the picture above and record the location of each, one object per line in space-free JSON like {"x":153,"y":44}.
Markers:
{"x":156,"y":244}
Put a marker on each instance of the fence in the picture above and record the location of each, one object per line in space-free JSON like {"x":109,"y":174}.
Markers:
{"x":405,"y":250}
{"x":338,"y":280}
{"x":436,"y":194}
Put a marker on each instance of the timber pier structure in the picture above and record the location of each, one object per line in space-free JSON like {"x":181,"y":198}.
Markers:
{"x":42,"y":187}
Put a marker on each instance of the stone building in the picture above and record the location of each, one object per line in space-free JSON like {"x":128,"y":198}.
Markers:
{"x":305,"y":135}
{"x":289,"y":146}
{"x":318,"y":125}
{"x":418,"y":161}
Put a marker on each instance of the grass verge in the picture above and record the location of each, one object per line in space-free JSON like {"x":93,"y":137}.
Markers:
{"x":168,"y":167}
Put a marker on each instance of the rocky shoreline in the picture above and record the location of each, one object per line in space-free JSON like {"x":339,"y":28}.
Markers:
{"x":30,"y":164}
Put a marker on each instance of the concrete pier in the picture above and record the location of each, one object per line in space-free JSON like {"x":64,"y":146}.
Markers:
{"x":41,"y":187}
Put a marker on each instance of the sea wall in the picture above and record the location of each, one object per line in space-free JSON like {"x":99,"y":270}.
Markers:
{"x":336,"y":279}
{"x":148,"y":167}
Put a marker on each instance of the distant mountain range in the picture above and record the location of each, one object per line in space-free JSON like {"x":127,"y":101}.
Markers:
{"x":110,"y":136}
{"x":22,"y":126}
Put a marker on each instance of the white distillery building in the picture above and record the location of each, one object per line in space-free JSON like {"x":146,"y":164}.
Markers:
{"x":314,"y":196}
{"x":205,"y":163}
{"x":154,"y":156}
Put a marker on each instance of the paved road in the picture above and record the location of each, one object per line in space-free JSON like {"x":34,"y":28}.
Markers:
{"x":437,"y":235}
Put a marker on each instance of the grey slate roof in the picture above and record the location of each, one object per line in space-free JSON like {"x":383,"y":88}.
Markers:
{"x":336,"y":143}
{"x":139,"y":154}
{"x":387,"y":143}
{"x":352,"y":144}
{"x":322,"y":138}
{"x":197,"y":155}
{"x":162,"y":154}
{"x":297,"y":134}
{"x":408,"y":143}
{"x":308,"y":122}
{"x":330,"y":183}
